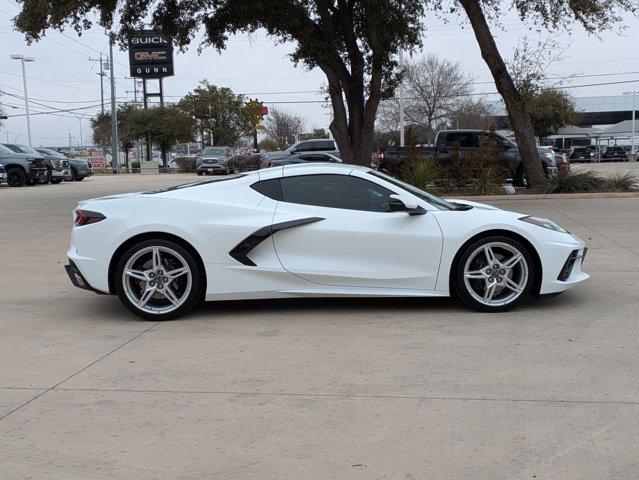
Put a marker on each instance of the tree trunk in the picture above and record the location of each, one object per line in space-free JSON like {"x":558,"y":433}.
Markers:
{"x":519,"y":118}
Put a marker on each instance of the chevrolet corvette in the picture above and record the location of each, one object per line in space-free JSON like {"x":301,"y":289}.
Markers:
{"x":313,"y":230}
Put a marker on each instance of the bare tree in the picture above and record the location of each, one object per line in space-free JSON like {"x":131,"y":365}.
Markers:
{"x":434,"y":87}
{"x":282,"y":127}
{"x":472,"y":112}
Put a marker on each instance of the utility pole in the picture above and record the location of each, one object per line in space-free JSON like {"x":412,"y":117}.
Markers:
{"x":401,"y":100}
{"x":102,"y":75}
{"x":115,"y":164}
{"x":81,"y":139}
{"x":23,"y":60}
{"x":634,"y":108}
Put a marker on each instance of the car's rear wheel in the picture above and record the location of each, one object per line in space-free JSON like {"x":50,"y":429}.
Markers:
{"x":158,"y":279}
{"x":16,"y":177}
{"x":494,"y":274}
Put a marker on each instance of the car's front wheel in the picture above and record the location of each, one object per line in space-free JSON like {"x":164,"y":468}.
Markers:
{"x":494,"y":274}
{"x":158,"y":279}
{"x":16,"y":177}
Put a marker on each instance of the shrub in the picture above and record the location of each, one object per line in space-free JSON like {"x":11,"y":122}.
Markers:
{"x":135,"y":165}
{"x":186,"y":164}
{"x":620,"y":182}
{"x":479,"y":172}
{"x":575,"y":182}
{"x":246,"y":163}
{"x":421,"y":172}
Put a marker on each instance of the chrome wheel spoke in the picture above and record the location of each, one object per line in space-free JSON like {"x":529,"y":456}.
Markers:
{"x":490,"y":256}
{"x":137,"y":274}
{"x":512,"y":261}
{"x":178,"y":272}
{"x":170,"y":295}
{"x":157,"y":260}
{"x":490,"y":291}
{"x":146,"y":296}
{"x":508,"y":283}
{"x":477,"y":275}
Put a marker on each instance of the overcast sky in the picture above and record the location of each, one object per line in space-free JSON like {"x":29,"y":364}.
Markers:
{"x":63,"y":77}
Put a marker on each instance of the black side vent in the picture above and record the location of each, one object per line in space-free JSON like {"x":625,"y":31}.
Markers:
{"x":567,"y":268}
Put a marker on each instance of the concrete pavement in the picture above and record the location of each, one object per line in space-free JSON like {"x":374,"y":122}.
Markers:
{"x":402,"y":388}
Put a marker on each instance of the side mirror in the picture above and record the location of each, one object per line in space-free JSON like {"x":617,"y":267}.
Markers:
{"x":293,"y":150}
{"x":400,"y":203}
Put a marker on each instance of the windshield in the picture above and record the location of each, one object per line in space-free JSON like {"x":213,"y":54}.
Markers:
{"x":214,"y":151}
{"x":4,"y":149}
{"x":51,"y":153}
{"x":28,"y":149}
{"x":439,"y":203}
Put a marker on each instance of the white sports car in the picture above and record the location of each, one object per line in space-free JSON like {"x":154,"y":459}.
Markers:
{"x":313,"y":230}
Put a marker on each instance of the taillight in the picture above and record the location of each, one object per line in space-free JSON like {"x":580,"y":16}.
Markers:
{"x":85,"y":217}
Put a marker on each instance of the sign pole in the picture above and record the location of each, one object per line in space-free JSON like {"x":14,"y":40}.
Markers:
{"x":115,"y":164}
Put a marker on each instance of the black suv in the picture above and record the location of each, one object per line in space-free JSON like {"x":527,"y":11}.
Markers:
{"x":21,"y":169}
{"x":74,"y":169}
{"x":615,"y":153}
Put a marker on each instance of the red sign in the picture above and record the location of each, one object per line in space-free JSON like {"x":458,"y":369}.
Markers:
{"x":98,"y":162}
{"x":263,"y":110}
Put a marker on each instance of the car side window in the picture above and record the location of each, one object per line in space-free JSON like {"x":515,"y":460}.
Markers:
{"x":305,"y":147}
{"x":336,"y":191}
{"x":315,"y":157}
{"x":325,"y":146}
{"x":270,"y":188}
{"x":464,"y":139}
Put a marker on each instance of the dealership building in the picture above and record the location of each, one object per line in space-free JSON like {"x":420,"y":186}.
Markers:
{"x":604,"y":120}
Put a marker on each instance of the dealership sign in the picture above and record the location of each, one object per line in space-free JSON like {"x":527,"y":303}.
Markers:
{"x":150,"y":54}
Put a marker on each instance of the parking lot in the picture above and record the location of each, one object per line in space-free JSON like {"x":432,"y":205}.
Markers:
{"x":305,"y":389}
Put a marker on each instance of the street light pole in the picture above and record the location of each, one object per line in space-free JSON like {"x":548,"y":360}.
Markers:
{"x":24,"y":59}
{"x":634,"y":108}
{"x":114,"y":113}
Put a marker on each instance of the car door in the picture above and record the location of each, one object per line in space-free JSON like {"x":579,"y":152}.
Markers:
{"x":346,"y":235}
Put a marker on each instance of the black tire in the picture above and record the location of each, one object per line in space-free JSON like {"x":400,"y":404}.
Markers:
{"x":31,"y":183}
{"x":16,"y":177}
{"x":458,"y":276}
{"x":79,"y":178}
{"x":192,"y":297}
{"x":74,"y":175}
{"x":199,"y":174}
{"x":55,"y":181}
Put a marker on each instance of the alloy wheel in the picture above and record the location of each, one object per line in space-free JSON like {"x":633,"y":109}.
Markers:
{"x":157,"y":280}
{"x":496,"y":274}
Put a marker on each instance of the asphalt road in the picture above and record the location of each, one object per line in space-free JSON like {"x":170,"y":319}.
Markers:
{"x":315,"y":389}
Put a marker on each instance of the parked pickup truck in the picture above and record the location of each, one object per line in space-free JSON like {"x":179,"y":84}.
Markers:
{"x":448,"y":142}
{"x":21,"y":169}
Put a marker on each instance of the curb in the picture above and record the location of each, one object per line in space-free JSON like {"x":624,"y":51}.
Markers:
{"x":551,"y":196}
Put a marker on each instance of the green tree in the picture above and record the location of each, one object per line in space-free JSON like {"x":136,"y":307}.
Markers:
{"x":101,"y":127}
{"x":354,"y":42}
{"x":166,"y":125}
{"x":550,"y":109}
{"x":320,"y":133}
{"x":554,"y":15}
{"x":218,"y":112}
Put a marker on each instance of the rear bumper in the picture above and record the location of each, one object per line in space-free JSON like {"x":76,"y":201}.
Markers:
{"x":77,"y":279}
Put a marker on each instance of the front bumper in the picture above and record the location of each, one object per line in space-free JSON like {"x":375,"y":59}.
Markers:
{"x":205,"y":168}
{"x":37,"y":174}
{"x":562,"y":268}
{"x":57,"y":174}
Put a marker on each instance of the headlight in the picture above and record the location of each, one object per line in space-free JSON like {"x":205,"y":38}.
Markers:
{"x":544,"y":223}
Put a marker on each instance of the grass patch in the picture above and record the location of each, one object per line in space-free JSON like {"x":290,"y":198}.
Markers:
{"x":589,"y":182}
